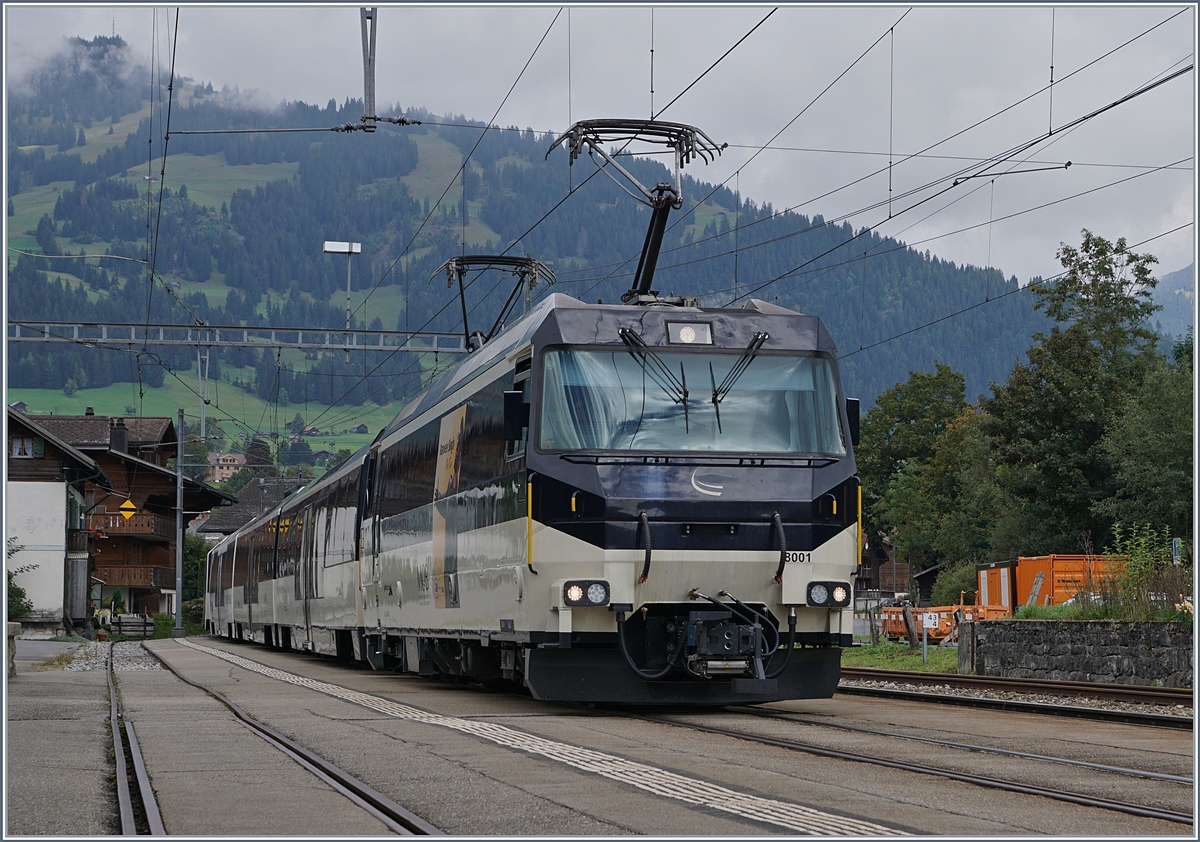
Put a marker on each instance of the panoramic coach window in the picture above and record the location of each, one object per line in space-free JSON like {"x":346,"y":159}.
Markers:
{"x":607,"y":400}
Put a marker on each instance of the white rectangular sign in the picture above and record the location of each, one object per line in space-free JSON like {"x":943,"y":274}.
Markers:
{"x":929,"y":620}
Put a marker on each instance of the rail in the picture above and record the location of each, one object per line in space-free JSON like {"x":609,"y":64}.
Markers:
{"x":1035,"y":686}
{"x":125,"y":800}
{"x":394,"y":816}
{"x":1144,"y":811}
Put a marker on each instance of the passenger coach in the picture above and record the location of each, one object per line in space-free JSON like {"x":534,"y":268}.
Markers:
{"x":605,"y":503}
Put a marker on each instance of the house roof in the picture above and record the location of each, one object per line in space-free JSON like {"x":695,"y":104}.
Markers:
{"x":197,"y":496}
{"x":252,"y":500}
{"x":91,"y":431}
{"x":926,"y":571}
{"x":81,"y":461}
{"x":214,"y":457}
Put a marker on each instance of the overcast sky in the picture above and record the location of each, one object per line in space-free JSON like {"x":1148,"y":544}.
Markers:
{"x":940,"y":71}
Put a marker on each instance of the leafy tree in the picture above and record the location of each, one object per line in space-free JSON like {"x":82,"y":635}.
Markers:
{"x":957,"y":581}
{"x":44,"y":235}
{"x":296,"y":425}
{"x":336,"y":460}
{"x":903,"y":427}
{"x":942,"y":510}
{"x":195,"y":552}
{"x":258,"y":454}
{"x":1047,"y":421}
{"x":1149,"y":446}
{"x":1106,"y":291}
{"x":296,"y":453}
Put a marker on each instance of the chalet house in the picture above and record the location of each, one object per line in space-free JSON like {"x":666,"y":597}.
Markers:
{"x":360,"y":428}
{"x":221,"y":466}
{"x":46,"y":489}
{"x":881,"y":572}
{"x":133,"y":516}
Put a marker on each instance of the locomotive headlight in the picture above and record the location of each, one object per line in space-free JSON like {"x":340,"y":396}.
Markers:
{"x":585,"y":592}
{"x":828,"y":594}
{"x":689,"y":333}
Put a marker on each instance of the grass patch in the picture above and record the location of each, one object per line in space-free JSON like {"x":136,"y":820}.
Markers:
{"x":164,"y":624}
{"x":897,"y":656}
{"x":210,"y":181}
{"x":1048,"y":612}
{"x":28,"y":208}
{"x":58,"y":662}
{"x":227,"y":401}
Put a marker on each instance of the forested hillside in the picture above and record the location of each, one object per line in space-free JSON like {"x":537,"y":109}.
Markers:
{"x":236,"y":225}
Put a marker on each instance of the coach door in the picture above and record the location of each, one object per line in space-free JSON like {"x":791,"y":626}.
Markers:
{"x":366,"y":535}
{"x":307,"y":572}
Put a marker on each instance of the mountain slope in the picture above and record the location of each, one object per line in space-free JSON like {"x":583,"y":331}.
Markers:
{"x":243,"y":217}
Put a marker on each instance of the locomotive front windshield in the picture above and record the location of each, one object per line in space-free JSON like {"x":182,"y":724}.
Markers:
{"x":664,"y":401}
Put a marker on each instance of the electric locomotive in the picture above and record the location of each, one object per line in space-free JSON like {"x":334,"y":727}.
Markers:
{"x":640,"y":505}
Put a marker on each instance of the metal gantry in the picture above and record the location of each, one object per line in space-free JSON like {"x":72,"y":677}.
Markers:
{"x":234,"y":336}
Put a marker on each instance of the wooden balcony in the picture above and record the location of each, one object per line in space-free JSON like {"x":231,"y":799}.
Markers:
{"x":77,"y":540}
{"x":137,"y":577}
{"x":142,"y":525}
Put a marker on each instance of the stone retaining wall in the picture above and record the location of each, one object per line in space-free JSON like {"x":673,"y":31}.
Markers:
{"x":1102,"y":651}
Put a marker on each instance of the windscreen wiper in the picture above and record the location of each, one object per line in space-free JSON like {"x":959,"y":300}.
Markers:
{"x":739,"y":368}
{"x":652,"y":364}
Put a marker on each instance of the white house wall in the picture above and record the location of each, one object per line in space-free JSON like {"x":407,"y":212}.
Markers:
{"x":37,"y":518}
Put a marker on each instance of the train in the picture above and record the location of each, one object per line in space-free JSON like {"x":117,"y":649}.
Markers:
{"x":604,"y":504}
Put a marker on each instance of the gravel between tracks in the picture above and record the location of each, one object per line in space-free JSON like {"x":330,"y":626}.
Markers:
{"x":1008,"y":696}
{"x":127,"y":655}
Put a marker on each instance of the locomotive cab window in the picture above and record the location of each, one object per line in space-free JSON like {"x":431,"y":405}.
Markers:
{"x":614,"y":400}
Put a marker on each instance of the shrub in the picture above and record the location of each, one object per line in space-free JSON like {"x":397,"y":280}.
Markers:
{"x":19,"y":604}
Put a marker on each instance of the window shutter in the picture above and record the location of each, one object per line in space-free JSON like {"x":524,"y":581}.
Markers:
{"x":39,"y":447}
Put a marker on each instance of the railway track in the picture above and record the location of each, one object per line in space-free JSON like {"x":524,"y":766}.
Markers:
{"x":1028,"y":687}
{"x":1145,"y":799}
{"x":129,"y":806}
{"x":1083,"y":799}
{"x":1040,"y":687}
{"x":395,"y":817}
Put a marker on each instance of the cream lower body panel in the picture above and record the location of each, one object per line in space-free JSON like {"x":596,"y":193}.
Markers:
{"x":494,"y":586}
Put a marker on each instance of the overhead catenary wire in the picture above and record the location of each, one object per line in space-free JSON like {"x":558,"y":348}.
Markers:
{"x":979,"y":304}
{"x":466,"y":159}
{"x":786,"y":126}
{"x":571,"y":191}
{"x":958,"y":177}
{"x":921,"y":152}
{"x":905,"y":246}
{"x":460,"y":170}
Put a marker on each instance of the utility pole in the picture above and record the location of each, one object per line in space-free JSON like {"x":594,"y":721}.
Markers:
{"x":178,"y":630}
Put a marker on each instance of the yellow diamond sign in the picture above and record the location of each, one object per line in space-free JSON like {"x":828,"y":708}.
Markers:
{"x":128,"y":509}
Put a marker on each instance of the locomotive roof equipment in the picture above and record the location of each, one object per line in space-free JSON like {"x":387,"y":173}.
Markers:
{"x":687,"y":142}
